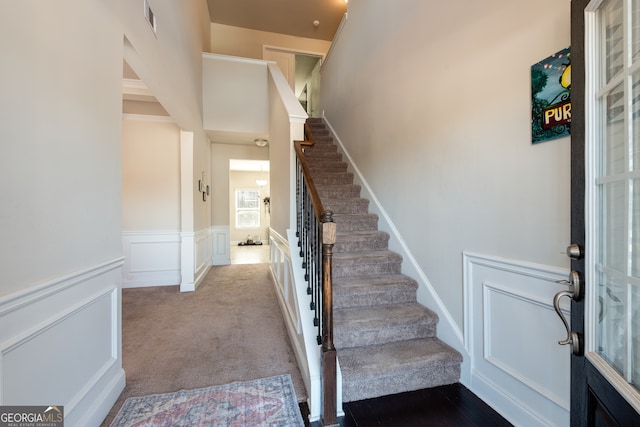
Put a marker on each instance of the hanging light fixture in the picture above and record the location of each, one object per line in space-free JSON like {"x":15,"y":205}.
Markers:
{"x":260,"y":142}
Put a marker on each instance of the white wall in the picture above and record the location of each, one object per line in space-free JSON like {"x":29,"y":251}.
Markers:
{"x":286,"y":125}
{"x":235,"y":96}
{"x":150,"y":175}
{"x":236,"y":41}
{"x":60,"y":192}
{"x":433,"y":104}
{"x":151,"y":201}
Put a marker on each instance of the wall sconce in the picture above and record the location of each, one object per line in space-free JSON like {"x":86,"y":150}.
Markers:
{"x":260,"y":142}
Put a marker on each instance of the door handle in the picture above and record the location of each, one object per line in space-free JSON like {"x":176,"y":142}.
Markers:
{"x":574,"y":293}
{"x":574,"y":251}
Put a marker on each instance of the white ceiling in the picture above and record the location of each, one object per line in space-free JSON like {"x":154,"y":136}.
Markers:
{"x":249,"y":165}
{"x":293,"y":17}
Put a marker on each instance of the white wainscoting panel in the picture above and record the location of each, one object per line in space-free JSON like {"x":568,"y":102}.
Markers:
{"x":60,"y":344}
{"x":152,"y":258}
{"x":203,"y":254}
{"x":195,"y":258}
{"x":220,"y":248}
{"x":512,"y":334}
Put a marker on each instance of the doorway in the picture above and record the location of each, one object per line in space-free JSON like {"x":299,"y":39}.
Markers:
{"x":249,"y":211}
{"x":302,"y":71}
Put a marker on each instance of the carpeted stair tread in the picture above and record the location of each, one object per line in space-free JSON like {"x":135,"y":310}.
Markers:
{"x":355,"y":222}
{"x":348,"y":206}
{"x":369,"y":263}
{"x":366,"y":326}
{"x":336,"y":178}
{"x":338,"y":191}
{"x":314,"y":156}
{"x":324,"y":149}
{"x":361,"y":241}
{"x":397,"y":367}
{"x":326,"y":167}
{"x":362,"y":291}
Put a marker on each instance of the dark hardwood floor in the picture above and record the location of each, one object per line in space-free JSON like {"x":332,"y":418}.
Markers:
{"x":452,"y":405}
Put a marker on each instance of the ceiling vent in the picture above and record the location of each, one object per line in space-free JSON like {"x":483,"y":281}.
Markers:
{"x":151,"y":17}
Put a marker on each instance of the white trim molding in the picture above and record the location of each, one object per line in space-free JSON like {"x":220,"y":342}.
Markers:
{"x":195,"y":258}
{"x":511,"y":332}
{"x":60,"y":343}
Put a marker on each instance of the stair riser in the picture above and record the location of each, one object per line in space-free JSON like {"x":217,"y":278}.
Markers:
{"x":327,"y":168}
{"x":351,"y":206}
{"x":341,"y":192}
{"x":342,"y":178}
{"x":377,"y":243}
{"x":368,"y":297}
{"x":356,"y":222}
{"x":324,"y":143}
{"x":326,"y":147}
{"x":352,"y":270}
{"x":355,"y":387}
{"x":348,"y":336}
{"x":323,"y":156}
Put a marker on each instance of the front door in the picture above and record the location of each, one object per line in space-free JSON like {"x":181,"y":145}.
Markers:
{"x":605,"y":144}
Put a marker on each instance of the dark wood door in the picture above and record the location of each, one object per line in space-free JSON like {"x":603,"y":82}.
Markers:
{"x":595,"y":401}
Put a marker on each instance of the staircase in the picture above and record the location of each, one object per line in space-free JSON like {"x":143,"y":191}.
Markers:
{"x":386,"y":342}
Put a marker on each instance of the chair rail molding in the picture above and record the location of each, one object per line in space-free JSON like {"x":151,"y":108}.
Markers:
{"x":66,"y":332}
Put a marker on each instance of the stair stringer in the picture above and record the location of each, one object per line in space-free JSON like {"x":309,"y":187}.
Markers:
{"x":427,"y":296}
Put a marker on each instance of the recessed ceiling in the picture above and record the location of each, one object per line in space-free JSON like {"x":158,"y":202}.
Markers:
{"x":292,"y":17}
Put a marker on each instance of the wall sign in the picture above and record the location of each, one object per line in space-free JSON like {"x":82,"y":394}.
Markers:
{"x":551,"y":97}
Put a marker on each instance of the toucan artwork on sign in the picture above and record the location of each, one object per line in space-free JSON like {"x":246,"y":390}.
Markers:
{"x":551,"y":97}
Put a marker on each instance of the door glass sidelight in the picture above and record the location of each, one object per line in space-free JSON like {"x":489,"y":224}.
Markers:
{"x":615,"y":316}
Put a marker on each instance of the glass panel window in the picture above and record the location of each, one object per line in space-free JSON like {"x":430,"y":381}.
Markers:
{"x":247,"y":208}
{"x":614,"y":154}
{"x":635,"y":230}
{"x":612,"y":339}
{"x":612,"y":228}
{"x":635,"y":333}
{"x":612,"y":15}
{"x":635,"y":30}
{"x":635,"y":108}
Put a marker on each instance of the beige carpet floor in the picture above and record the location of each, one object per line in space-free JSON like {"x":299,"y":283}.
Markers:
{"x":229,"y":329}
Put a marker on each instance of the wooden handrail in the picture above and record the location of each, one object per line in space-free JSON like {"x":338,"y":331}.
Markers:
{"x":327,"y":231}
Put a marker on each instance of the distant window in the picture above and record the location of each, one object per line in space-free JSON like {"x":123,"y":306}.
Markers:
{"x":151,"y":17}
{"x":247,"y":208}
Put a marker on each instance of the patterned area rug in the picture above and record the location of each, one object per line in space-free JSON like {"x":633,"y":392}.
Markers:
{"x":265,"y":402}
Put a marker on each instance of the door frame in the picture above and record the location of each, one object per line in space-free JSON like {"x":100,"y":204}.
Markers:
{"x":592,"y":394}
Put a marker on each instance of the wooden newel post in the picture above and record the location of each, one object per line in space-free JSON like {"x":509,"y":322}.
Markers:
{"x":329,"y":387}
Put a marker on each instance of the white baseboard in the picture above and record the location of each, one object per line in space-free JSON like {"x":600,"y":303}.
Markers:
{"x":60,"y":344}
